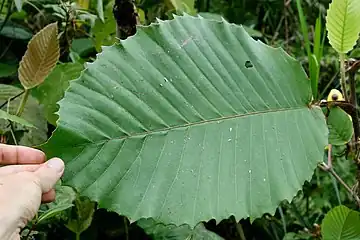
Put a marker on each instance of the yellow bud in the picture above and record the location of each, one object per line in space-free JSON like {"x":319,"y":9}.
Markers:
{"x":335,"y":95}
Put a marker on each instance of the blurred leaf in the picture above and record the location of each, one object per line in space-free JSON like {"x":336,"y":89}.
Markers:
{"x":18,"y":4}
{"x":304,"y":27}
{"x":141,"y":14}
{"x":40,"y":57}
{"x":105,"y":32}
{"x":32,"y":113}
{"x":52,"y":212}
{"x":314,"y":70}
{"x":342,"y":23}
{"x":355,"y":53}
{"x":340,"y":126}
{"x":64,"y":200}
{"x":52,"y":89}
{"x":341,"y":223}
{"x":14,"y":118}
{"x":186,"y":6}
{"x":14,"y":31}
{"x":7,"y":70}
{"x":82,"y":216}
{"x":159,"y":231}
{"x":213,"y":16}
{"x":82,"y":46}
{"x":297,"y":236}
{"x":100,"y":10}
{"x":83,"y":4}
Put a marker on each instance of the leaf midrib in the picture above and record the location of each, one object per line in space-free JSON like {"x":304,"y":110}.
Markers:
{"x":343,"y":25}
{"x":194,"y":124}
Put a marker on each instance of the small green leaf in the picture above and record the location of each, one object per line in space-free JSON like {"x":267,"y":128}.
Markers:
{"x":15,"y":31}
{"x":159,"y":231}
{"x":100,"y":10}
{"x":340,"y":126}
{"x":52,"y":212}
{"x":55,"y":211}
{"x":40,"y":57}
{"x":14,"y":118}
{"x":52,"y":89}
{"x":341,"y":223}
{"x":82,"y":46}
{"x":342,"y":23}
{"x":82,"y":216}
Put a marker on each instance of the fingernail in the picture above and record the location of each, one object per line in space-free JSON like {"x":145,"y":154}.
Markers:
{"x":56,"y":164}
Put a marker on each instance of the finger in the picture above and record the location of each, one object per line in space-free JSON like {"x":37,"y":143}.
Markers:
{"x":18,"y":168}
{"x":20,"y":155}
{"x":48,"y":196}
{"x":49,"y":173}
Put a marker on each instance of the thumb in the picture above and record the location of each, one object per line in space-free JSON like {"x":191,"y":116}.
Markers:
{"x":49,"y":173}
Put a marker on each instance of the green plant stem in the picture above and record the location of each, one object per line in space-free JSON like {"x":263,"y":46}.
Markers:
{"x":2,"y":5}
{"x":283,"y":219}
{"x":23,"y":102}
{"x":12,"y":132}
{"x":126,"y":229}
{"x":240,"y":230}
{"x":324,"y":167}
{"x":343,"y":77}
{"x":77,"y":236}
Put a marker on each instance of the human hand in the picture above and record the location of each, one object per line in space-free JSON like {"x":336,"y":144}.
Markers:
{"x":24,"y":184}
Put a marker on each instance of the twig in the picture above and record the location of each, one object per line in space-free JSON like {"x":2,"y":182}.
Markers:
{"x":276,"y":34}
{"x":332,"y":172}
{"x":239,"y":228}
{"x":286,"y":25}
{"x":12,"y":131}
{"x":6,"y":49}
{"x":126,"y":228}
{"x":329,"y":83}
{"x":283,"y":219}
{"x":328,"y":168}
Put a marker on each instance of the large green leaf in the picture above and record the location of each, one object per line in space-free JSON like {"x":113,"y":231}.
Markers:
{"x":33,"y":114}
{"x":342,"y":23}
{"x":188,"y":120}
{"x":341,"y":223}
{"x":53,"y":88}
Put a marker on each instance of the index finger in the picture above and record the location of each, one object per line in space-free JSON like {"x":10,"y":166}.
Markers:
{"x":20,"y":155}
